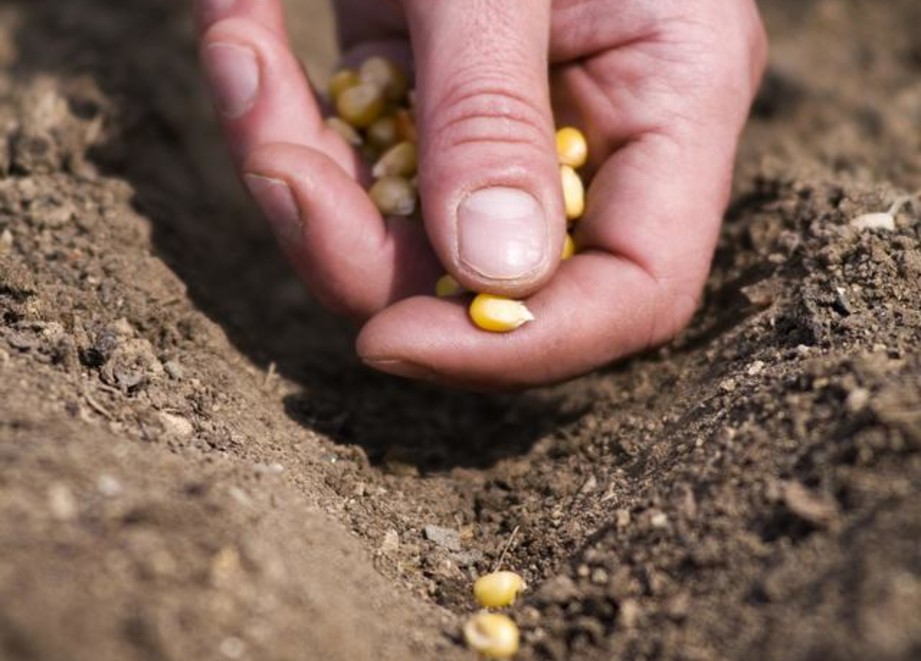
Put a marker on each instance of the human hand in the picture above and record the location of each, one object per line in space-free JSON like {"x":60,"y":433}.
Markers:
{"x":661,"y":90}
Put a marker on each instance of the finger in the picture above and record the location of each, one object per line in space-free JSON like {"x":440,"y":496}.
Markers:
{"x":262,"y":95}
{"x":268,"y":13}
{"x":648,"y":235}
{"x":489,"y":180}
{"x":596,"y":308}
{"x":304,"y":176}
{"x":354,"y":261}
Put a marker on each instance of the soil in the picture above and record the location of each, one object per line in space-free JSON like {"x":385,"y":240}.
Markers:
{"x":193,"y":465}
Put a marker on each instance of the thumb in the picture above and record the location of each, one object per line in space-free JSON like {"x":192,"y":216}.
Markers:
{"x":489,"y":178}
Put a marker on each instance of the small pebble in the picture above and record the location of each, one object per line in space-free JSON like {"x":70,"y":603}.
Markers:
{"x":857,"y":399}
{"x":658,"y":520}
{"x":108,"y":486}
{"x":174,"y":369}
{"x":175,"y":424}
{"x":232,"y":647}
{"x":629,"y":613}
{"x":874,"y":221}
{"x":391,"y":541}
{"x":447,"y":538}
{"x":61,"y":502}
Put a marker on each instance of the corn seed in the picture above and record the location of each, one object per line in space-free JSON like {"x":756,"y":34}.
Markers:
{"x":448,"y":286}
{"x":498,"y":314}
{"x":406,"y":125}
{"x":360,"y":105}
{"x":492,"y":635}
{"x":573,"y":192}
{"x":401,"y":160}
{"x":498,"y":589}
{"x":341,"y":81}
{"x":383,"y":132}
{"x":387,"y":75}
{"x":569,"y":247}
{"x":571,"y":147}
{"x":345,"y":131}
{"x":393,"y":196}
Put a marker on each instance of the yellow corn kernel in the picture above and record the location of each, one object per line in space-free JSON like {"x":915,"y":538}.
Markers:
{"x":498,"y":589}
{"x":571,"y":147}
{"x":360,"y":105}
{"x":387,"y":75}
{"x":492,"y":635}
{"x":393,"y":196}
{"x":406,"y":125}
{"x":383,"y":132}
{"x":498,"y":314}
{"x":569,"y":247}
{"x":340,"y":81}
{"x":345,"y":131}
{"x":448,"y":286}
{"x":573,"y":192}
{"x":401,"y":160}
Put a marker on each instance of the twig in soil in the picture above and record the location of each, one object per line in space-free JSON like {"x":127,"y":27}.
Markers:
{"x":109,"y":389}
{"x":899,"y":202}
{"x":885,"y":219}
{"x":508,"y":545}
{"x":269,"y":376}
{"x":96,"y":406}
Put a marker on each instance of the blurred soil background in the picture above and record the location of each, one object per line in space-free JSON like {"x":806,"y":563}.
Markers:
{"x":193,"y":465}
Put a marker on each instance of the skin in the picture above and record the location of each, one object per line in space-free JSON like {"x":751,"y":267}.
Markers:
{"x":661,"y":89}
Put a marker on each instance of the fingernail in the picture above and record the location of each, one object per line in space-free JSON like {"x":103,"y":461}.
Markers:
{"x":211,"y":10}
{"x":233,"y":72}
{"x":277,"y":203}
{"x":402,"y":368}
{"x":501,"y":233}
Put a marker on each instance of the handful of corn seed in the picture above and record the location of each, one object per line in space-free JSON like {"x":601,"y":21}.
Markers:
{"x":374,"y":114}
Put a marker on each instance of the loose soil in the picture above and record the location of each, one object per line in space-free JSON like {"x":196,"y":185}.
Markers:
{"x":193,"y":465}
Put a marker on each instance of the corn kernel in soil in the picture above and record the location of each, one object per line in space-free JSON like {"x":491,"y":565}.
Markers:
{"x":573,"y":192}
{"x":448,"y":286}
{"x":498,"y":314}
{"x":571,"y":148}
{"x":393,"y":196}
{"x":492,"y":635}
{"x":498,"y":589}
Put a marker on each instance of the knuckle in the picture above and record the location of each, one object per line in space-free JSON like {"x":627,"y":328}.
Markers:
{"x":488,"y":109}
